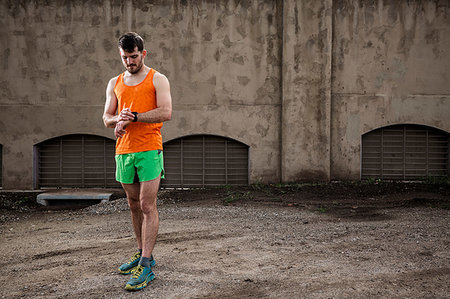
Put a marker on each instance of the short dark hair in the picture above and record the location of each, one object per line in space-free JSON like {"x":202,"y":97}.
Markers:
{"x":131,"y":40}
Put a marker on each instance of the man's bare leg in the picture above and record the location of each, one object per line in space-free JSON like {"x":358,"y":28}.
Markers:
{"x":132,"y":191}
{"x":143,"y":273}
{"x":150,"y":223}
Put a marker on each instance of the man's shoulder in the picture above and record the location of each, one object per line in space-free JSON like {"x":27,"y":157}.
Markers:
{"x":159,"y":77}
{"x":113,"y":80}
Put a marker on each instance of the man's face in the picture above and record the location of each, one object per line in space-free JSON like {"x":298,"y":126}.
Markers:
{"x":133,"y":61}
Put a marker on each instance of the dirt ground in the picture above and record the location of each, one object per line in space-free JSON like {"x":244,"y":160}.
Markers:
{"x":337,"y":240}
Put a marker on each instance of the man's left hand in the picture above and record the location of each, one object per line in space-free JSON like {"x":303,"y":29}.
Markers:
{"x":119,"y":130}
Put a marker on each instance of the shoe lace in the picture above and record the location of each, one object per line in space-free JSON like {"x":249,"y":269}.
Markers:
{"x":136,"y":256}
{"x":138,"y":271}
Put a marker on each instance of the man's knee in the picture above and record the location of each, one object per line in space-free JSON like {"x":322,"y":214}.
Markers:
{"x":134,"y":204}
{"x":148,"y":206}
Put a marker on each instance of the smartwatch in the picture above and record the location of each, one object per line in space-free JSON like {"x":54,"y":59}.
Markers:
{"x":135,"y":116}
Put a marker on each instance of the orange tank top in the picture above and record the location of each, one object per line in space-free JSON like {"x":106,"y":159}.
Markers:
{"x":140,"y":137}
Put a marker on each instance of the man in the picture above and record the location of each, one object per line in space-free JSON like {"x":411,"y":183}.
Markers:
{"x":137,"y":102}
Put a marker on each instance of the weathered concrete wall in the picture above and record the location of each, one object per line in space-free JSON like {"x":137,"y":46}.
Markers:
{"x":55,"y":60}
{"x":297,"y":81}
{"x":222,"y":58}
{"x":390,"y":66}
{"x":306,"y":90}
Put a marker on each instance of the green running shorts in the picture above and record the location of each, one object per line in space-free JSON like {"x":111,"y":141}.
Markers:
{"x":139,"y":167}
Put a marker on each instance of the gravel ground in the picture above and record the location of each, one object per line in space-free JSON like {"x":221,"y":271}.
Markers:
{"x":279,"y":242}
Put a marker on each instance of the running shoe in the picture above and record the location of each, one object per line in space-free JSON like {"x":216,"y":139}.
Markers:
{"x":128,"y":268}
{"x":141,"y":277}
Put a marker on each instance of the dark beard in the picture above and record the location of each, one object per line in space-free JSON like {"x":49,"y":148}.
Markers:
{"x":138,"y":68}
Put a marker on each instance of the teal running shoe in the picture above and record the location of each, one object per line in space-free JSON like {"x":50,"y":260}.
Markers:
{"x":141,"y":277}
{"x":128,"y":268}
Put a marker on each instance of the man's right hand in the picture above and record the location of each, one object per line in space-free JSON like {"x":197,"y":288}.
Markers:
{"x":126,"y":115}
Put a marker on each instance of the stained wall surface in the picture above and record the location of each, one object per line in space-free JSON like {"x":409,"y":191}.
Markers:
{"x":390,"y":66}
{"x":221,"y":57}
{"x":306,"y":90}
{"x":299,"y":82}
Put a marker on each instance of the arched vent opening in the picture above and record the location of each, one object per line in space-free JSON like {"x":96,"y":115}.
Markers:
{"x":76,"y":161}
{"x":405,"y":152}
{"x":205,"y":160}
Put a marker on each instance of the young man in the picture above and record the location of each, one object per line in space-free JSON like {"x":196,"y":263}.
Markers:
{"x":137,"y":102}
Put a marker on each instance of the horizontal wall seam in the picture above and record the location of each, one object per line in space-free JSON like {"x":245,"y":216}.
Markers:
{"x":383,"y":95}
{"x":233,"y":105}
{"x":49,"y":106}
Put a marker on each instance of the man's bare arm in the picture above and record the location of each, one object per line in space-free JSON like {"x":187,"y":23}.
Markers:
{"x":110,"y":118}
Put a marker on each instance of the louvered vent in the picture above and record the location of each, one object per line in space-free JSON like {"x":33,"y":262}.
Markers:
{"x":81,"y":161}
{"x":205,"y":160}
{"x":405,"y":152}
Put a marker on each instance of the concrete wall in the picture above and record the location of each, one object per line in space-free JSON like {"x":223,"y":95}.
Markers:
{"x":306,"y":90}
{"x":221,"y":57}
{"x":55,"y":60}
{"x":390,"y":66}
{"x":297,"y":81}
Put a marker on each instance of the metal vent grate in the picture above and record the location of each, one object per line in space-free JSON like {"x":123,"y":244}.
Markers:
{"x":200,"y":161}
{"x":81,"y":161}
{"x":405,"y":152}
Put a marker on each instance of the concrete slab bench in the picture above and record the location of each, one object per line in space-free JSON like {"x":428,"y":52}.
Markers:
{"x":71,"y":198}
